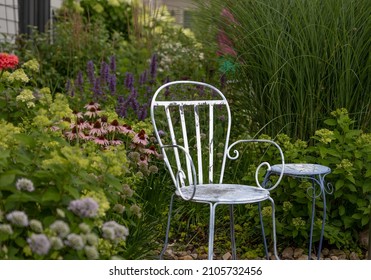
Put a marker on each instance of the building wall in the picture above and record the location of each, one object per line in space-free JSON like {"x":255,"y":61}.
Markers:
{"x":177,"y":8}
{"x":8,"y":17}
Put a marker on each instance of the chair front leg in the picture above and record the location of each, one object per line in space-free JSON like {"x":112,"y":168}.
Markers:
{"x":167,"y":228}
{"x":211,"y":231}
{"x":233,"y":239}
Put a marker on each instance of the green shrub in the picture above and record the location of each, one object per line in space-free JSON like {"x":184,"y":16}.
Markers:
{"x":347,"y":152}
{"x":48,"y":175}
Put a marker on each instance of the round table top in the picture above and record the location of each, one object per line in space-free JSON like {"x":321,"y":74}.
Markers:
{"x":297,"y":169}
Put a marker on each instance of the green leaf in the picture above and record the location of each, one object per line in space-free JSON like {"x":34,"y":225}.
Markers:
{"x":341,"y":210}
{"x":357,"y":216}
{"x":365,"y":220}
{"x":72,"y":191}
{"x":51,"y":195}
{"x":6,"y":179}
{"x":331,"y":122}
{"x":368,"y":173}
{"x":339,"y":184}
{"x":367,"y":186}
{"x":351,"y":178}
{"x":20,"y":242}
{"x":21,"y":197}
{"x":25,"y":139}
{"x":348,"y":221}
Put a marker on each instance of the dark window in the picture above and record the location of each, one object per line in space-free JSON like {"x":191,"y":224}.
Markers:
{"x":33,"y":13}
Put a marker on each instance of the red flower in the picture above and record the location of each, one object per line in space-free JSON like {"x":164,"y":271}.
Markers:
{"x":8,"y":61}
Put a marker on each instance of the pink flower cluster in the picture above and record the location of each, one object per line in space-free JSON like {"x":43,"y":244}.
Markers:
{"x":8,"y":61}
{"x":94,"y":126}
{"x":97,"y":128}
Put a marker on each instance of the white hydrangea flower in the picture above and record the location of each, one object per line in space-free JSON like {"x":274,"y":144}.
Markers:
{"x":24,"y":184}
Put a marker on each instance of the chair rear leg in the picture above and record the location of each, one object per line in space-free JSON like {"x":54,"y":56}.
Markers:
{"x":167,"y":228}
{"x":263,"y":231}
{"x":233,"y":239}
{"x":274,"y":229}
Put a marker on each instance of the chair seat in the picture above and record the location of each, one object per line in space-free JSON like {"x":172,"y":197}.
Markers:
{"x":225,"y":193}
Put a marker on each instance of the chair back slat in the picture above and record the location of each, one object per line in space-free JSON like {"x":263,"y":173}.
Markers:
{"x":198,"y":145}
{"x":186,"y":145}
{"x":211,"y":142}
{"x":172,"y":137}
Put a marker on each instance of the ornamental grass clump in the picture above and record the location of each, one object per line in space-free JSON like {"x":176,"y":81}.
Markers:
{"x":297,"y":61}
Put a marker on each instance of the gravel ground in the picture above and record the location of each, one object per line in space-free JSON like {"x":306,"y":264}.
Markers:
{"x":288,"y":253}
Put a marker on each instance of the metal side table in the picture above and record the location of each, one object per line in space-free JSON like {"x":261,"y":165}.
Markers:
{"x":316,"y":173}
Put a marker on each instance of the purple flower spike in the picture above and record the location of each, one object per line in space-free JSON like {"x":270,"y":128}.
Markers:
{"x":153,"y":66}
{"x":143,"y":112}
{"x":79,"y":83}
{"x":129,"y":80}
{"x":112,"y":84}
{"x":90,"y":71}
{"x":104,"y":69}
{"x":112,"y":64}
{"x":68,"y":85}
{"x":143,"y":78}
{"x":97,"y":88}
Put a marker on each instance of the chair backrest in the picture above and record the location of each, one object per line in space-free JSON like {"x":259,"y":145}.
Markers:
{"x":192,"y":118}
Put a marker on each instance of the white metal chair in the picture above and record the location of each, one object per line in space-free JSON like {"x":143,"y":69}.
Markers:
{"x":193,"y":116}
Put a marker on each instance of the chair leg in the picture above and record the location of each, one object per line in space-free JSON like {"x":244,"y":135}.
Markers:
{"x":323,"y":224}
{"x":167,"y":228}
{"x":312,"y":220}
{"x":263,"y":231}
{"x":274,"y":229}
{"x":233,"y":239}
{"x":211,"y":231}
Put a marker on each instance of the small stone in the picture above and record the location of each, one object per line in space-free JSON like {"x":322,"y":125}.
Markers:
{"x":227,"y":256}
{"x":298,"y":252}
{"x":325,"y":252}
{"x":353,"y":256}
{"x":194,"y":256}
{"x":363,"y":238}
{"x":186,"y":257}
{"x":313,"y":256}
{"x":203,"y":256}
{"x":334,"y":258}
{"x":303,"y":257}
{"x":182,"y":254}
{"x":338,"y":253}
{"x":288,"y":253}
{"x":170,"y":253}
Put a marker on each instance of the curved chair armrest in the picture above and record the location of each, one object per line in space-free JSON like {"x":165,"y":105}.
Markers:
{"x":236,"y":155}
{"x":177,"y":179}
